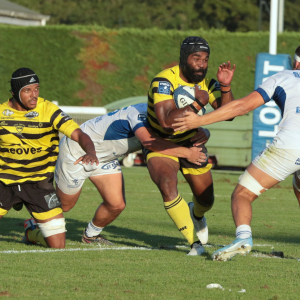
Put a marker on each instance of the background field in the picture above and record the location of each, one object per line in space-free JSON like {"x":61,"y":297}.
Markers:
{"x":149,"y":260}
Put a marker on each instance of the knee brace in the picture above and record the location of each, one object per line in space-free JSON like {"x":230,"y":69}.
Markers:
{"x":250,"y":183}
{"x":52,"y":227}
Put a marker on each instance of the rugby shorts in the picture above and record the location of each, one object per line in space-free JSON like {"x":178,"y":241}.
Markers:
{"x":185,"y":166}
{"x":277,"y":162}
{"x":70,"y":178}
{"x":39,"y":198}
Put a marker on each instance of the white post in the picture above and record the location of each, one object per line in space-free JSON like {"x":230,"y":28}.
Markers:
{"x":281,"y":16}
{"x":273,"y":27}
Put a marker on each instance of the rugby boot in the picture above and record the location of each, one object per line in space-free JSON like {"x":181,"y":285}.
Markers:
{"x":200,"y":226}
{"x":29,"y":224}
{"x":238,"y":246}
{"x":196,"y":249}
{"x":98,"y":239}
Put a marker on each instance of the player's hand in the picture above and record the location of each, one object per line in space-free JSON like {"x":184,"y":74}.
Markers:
{"x":189,"y":121}
{"x":225,"y":73}
{"x":196,"y":156}
{"x":88,"y":158}
{"x":201,"y":137}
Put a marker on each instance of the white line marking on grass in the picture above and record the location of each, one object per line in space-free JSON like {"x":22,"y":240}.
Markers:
{"x":74,"y":249}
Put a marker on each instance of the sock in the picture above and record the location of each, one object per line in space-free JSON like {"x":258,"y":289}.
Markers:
{"x":243,"y":232}
{"x":36,"y":236}
{"x":92,"y":230}
{"x":179,"y":212}
{"x":200,"y":210}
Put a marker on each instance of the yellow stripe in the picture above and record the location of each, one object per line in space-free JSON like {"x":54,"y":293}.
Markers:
{"x":199,"y":171}
{"x":155,"y":154}
{"x":47,"y":215}
{"x":3,"y":212}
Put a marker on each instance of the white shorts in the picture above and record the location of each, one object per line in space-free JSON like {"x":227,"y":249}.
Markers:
{"x":277,"y":162}
{"x":70,"y":178}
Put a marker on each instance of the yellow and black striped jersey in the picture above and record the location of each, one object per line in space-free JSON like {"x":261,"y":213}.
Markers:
{"x":29,"y":141}
{"x":162,"y":88}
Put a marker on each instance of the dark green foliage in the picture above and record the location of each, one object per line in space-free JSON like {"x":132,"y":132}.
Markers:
{"x":232,"y":15}
{"x":91,"y":65}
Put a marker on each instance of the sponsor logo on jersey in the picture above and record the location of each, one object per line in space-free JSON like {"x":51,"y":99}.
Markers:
{"x":21,"y":151}
{"x":32,"y":80}
{"x":98,"y":119}
{"x":297,"y":109}
{"x":164,"y":87}
{"x":3,"y":123}
{"x":31,"y":115}
{"x":142,"y":117}
{"x":182,"y":228}
{"x":52,"y":200}
{"x":7,"y":113}
{"x":297,"y":161}
{"x":296,"y":74}
{"x":110,"y":165}
{"x":19,"y":128}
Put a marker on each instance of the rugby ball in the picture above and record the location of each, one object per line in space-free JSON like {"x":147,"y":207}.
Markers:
{"x":185,"y":95}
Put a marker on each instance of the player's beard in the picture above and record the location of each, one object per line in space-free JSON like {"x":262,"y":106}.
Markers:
{"x":189,"y":74}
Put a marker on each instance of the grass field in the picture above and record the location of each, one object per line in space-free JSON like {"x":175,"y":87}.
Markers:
{"x":149,"y":260}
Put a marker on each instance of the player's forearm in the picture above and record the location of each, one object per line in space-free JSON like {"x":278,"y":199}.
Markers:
{"x":165,"y":147}
{"x":226,"y":94}
{"x":84,"y":141}
{"x":228,"y":111}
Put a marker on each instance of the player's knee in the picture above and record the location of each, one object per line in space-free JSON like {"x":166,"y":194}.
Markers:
{"x":53,"y":227}
{"x":250,"y":183}
{"x":207,"y":200}
{"x":117,"y":208}
{"x":167,"y":185}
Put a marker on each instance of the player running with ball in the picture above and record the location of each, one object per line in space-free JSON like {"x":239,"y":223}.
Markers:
{"x":191,"y":71}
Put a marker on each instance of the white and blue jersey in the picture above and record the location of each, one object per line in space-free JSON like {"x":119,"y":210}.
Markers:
{"x":113,"y":134}
{"x":284,"y":89}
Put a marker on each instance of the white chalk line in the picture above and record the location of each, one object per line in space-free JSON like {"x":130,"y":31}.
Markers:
{"x":99,"y":248}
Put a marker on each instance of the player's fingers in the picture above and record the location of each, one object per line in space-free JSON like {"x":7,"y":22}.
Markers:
{"x":78,"y":160}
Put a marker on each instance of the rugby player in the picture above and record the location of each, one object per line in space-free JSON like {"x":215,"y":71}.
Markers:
{"x":272,"y":165}
{"x":191,"y":71}
{"x":29,"y":129}
{"x":114,"y":135}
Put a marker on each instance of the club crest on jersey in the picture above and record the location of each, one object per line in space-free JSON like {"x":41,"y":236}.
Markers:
{"x":7,"y":113}
{"x":52,"y":200}
{"x":164,"y":87}
{"x":19,"y":127}
{"x":142,"y":117}
{"x":31,"y":115}
{"x":297,"y":109}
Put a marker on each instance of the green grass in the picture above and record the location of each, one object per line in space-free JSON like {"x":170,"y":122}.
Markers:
{"x":159,"y":270}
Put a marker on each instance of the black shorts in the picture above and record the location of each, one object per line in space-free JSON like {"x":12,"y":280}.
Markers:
{"x":186,"y":167}
{"x":39,"y":198}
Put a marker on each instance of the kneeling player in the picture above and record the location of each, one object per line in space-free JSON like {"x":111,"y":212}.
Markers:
{"x":29,"y":149}
{"x":114,"y":135}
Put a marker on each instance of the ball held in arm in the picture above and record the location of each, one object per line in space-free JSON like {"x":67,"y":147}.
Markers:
{"x":186,"y":95}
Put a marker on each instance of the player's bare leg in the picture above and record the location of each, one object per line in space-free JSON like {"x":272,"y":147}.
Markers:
{"x":252,"y":183}
{"x":163,"y":172}
{"x":111,"y":188}
{"x":67,"y":201}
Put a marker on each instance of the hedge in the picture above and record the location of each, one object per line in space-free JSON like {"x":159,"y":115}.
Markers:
{"x":93,"y":66}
